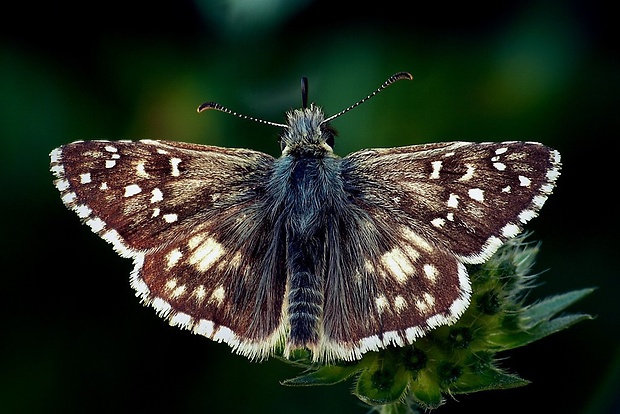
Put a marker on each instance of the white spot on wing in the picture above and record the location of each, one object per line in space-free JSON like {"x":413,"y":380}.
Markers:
{"x":170,"y":218}
{"x":171,"y":284}
{"x":453,"y":201}
{"x":182,"y":320}
{"x":510,"y":230}
{"x":174,"y":162}
{"x":83,"y":211}
{"x":200,"y":293}
{"x":397,"y":264}
{"x":416,"y":240}
{"x":140,"y":171}
{"x":85,"y":178}
{"x":56,"y":155}
{"x":400,"y":303}
{"x":132,"y":190}
{"x":204,"y":327}
{"x":382,"y":303}
{"x":438,"y":222}
{"x":469,"y":173}
{"x":69,"y":198}
{"x":110,"y":163}
{"x":62,"y":185}
{"x":430,"y":272}
{"x":206,"y":254}
{"x":436,"y":168}
{"x":218,"y":295}
{"x":429,"y":299}
{"x":172,"y":258}
{"x":95,"y":224}
{"x":524,"y":181}
{"x":476,"y":194}
{"x":196,"y":240}
{"x":526,"y":215}
{"x":422,"y":305}
{"x":178,"y":292}
{"x":157,"y":195}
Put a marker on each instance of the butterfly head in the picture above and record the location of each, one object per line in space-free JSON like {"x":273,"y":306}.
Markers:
{"x":307,"y":133}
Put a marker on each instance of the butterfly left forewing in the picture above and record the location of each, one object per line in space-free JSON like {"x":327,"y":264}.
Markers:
{"x":141,"y":195}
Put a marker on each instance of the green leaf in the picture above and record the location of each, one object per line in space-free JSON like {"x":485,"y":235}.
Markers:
{"x":535,"y":321}
{"x":426,"y":390}
{"x":385,"y":385}
{"x":327,"y":375}
{"x":511,"y":340}
{"x":489,"y":379}
{"x":547,"y":308}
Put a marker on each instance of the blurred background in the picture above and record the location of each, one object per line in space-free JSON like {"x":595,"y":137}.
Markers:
{"x":73,"y":338}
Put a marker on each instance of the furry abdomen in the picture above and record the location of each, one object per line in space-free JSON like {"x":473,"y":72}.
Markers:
{"x":309,"y":204}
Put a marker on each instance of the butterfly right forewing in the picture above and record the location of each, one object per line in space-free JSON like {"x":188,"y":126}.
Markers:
{"x":470,"y":197}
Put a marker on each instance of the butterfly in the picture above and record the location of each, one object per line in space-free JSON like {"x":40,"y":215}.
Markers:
{"x":339,"y":256}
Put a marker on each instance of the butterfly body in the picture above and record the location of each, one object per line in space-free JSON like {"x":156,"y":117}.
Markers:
{"x":309,"y":193}
{"x":337,"y":255}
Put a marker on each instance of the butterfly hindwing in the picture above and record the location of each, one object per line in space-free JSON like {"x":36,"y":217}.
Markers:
{"x":385,"y":284}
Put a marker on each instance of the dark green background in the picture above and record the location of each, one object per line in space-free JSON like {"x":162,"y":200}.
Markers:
{"x":73,"y":338}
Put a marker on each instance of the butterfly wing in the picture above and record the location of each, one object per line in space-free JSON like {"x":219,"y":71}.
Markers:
{"x":470,"y":197}
{"x":416,"y":214}
{"x":192,"y":219}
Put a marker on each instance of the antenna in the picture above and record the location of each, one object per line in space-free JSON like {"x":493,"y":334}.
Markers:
{"x":304,"y":101}
{"x":392,"y":79}
{"x":214,"y":105}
